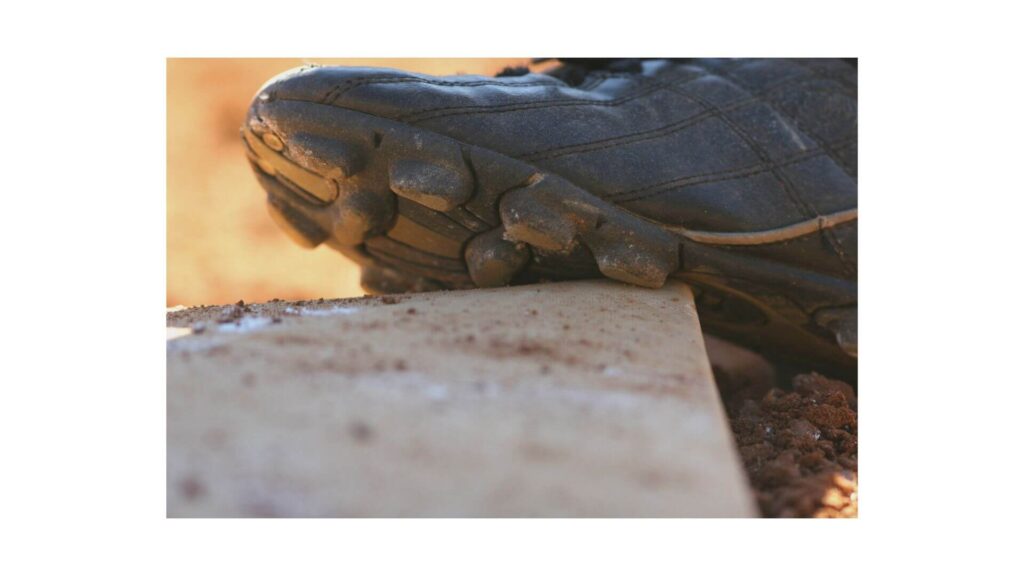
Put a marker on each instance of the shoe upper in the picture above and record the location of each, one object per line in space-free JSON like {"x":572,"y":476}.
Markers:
{"x":760,"y":152}
{"x":711,"y":145}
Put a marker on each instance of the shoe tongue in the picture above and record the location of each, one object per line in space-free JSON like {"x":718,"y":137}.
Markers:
{"x":574,"y":71}
{"x":607,"y":64}
{"x":513,"y":71}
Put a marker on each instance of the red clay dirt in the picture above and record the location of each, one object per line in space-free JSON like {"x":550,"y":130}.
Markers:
{"x":799,"y":445}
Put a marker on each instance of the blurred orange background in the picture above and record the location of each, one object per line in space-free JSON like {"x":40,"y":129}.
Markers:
{"x":221,"y":244}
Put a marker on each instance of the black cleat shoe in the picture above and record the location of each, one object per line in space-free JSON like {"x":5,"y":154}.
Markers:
{"x":739,"y":176}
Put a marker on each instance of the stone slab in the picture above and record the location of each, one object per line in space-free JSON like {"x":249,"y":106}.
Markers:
{"x":571,"y":399}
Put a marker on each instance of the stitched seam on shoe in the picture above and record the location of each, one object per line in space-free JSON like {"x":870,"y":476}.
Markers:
{"x":707,"y":71}
{"x":631,"y":138}
{"x":707,"y":177}
{"x":643,"y":135}
{"x":828,"y":234}
{"x":774,"y":105}
{"x":428,"y":114}
{"x":840,"y":79}
{"x":386,"y":119}
{"x":514,"y":107}
{"x":828,"y":146}
{"x":756,"y":148}
{"x":729,"y":69}
{"x":337,"y":90}
{"x":366,"y":113}
{"x":422,"y":116}
{"x":791,"y":191}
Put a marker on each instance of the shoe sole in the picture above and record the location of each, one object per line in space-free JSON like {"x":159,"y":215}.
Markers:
{"x":421,"y":211}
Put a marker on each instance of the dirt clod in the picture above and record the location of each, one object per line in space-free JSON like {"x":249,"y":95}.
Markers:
{"x":361,"y":432}
{"x":191,"y":488}
{"x":234,"y":313}
{"x":799,"y":446}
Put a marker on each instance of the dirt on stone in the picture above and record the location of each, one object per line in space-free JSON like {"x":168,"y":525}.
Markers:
{"x":799,"y":445}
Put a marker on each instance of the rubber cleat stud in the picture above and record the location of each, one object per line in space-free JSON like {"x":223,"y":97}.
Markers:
{"x":360,"y":214}
{"x":627,"y":255}
{"x":273,"y":163}
{"x":302,"y":230}
{"x":432,"y":185}
{"x":543,"y":217}
{"x":494,"y":261}
{"x":327,"y":157}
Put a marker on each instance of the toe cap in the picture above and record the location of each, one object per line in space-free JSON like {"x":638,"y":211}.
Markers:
{"x":400,"y":95}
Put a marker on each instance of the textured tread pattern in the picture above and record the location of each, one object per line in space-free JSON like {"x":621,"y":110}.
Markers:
{"x":432,"y":209}
{"x":756,"y":156}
